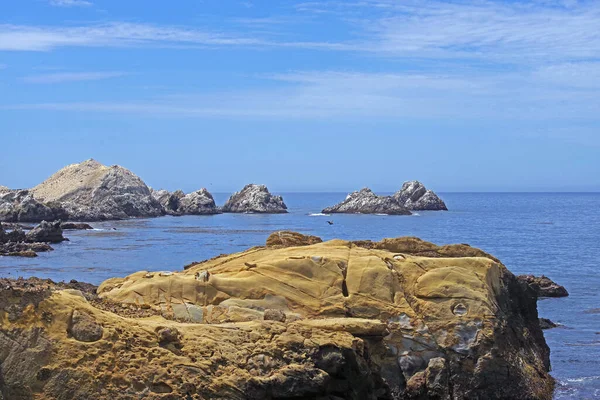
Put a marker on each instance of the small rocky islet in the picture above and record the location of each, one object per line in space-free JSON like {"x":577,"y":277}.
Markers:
{"x":413,"y":196}
{"x":297,"y":318}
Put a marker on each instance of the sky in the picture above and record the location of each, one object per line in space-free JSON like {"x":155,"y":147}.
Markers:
{"x":469,"y":95}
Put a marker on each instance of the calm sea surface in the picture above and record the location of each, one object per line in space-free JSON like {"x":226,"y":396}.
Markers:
{"x":556,"y":234}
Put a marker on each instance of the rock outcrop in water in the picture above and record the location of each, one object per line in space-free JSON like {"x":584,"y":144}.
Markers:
{"x":544,"y":286}
{"x":200,"y":202}
{"x":365,"y":201}
{"x":90,"y":191}
{"x":332,"y":320}
{"x":19,"y":243}
{"x":415,"y":196}
{"x":21,"y":206}
{"x":255,"y":199}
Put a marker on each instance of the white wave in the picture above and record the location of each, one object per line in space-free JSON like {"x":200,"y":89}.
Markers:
{"x":318,"y":215}
{"x":98,"y":229}
{"x":416,"y":214}
{"x":584,"y":378}
{"x":382,"y":214}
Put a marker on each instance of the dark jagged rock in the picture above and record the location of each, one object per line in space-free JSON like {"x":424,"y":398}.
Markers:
{"x":20,"y":206}
{"x":46,"y":232}
{"x":545,"y":323}
{"x":90,"y":191}
{"x":415,"y":196}
{"x":365,"y":201}
{"x":254,"y":199}
{"x":544,"y":286}
{"x":17,"y":243}
{"x":75,"y":226}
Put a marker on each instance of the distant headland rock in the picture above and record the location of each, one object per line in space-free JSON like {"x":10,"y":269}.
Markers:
{"x":412,"y":196}
{"x":21,"y":206}
{"x":200,"y":202}
{"x":255,"y":199}
{"x":365,"y":201}
{"x":90,"y":191}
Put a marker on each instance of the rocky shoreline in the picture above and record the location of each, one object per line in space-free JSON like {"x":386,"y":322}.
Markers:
{"x":90,"y":191}
{"x":298,"y":318}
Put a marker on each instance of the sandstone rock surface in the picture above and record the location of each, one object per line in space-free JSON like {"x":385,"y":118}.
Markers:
{"x":337,"y":319}
{"x":415,"y":196}
{"x":254,"y":199}
{"x":91,"y":191}
{"x":365,"y":201}
{"x":289,"y":238}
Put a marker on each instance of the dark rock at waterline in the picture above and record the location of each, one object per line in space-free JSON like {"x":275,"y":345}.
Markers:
{"x":75,"y":226}
{"x":365,"y":201}
{"x":545,"y":323}
{"x":544,"y":286}
{"x":254,"y":199}
{"x":47,"y":232}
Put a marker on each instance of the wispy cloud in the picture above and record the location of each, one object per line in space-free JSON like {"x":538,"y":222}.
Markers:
{"x":70,"y":3}
{"x":61,"y":77}
{"x":348,"y":95}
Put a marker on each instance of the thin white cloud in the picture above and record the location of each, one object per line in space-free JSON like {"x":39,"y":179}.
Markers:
{"x":70,"y":3}
{"x":61,"y":77}
{"x":349,"y":95}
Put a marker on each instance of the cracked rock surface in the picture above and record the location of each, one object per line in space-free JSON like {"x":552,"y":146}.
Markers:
{"x":396,"y":319}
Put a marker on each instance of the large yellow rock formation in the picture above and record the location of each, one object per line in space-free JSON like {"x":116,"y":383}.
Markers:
{"x":352,"y":320}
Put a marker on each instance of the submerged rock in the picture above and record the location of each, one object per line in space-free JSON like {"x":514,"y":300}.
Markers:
{"x":91,"y":191}
{"x":365,"y":201}
{"x":76,"y":226}
{"x":544,"y":286}
{"x":254,"y":199}
{"x":415,"y":196}
{"x":21,"y":206}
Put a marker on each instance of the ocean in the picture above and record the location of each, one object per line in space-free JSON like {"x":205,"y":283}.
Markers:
{"x":555,"y":234}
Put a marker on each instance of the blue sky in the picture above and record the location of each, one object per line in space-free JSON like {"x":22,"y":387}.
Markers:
{"x":305,"y":96}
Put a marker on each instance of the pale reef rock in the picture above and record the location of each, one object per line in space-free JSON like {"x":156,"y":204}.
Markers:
{"x":255,"y":199}
{"x":365,"y":201}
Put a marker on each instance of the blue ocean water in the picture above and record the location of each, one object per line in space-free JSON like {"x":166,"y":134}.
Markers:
{"x":556,"y":234}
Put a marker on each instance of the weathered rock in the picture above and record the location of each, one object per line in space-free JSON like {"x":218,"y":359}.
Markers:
{"x":84,"y":328}
{"x":16,"y":243}
{"x":545,"y":323}
{"x":169,"y":201}
{"x":361,"y":323}
{"x":200,"y":202}
{"x":289,"y":239}
{"x":75,"y":226}
{"x":91,"y":191}
{"x":20,"y":206}
{"x":544,"y":286}
{"x":366,"y":202}
{"x":254,"y":199}
{"x":415,"y":196}
{"x":46,"y":232}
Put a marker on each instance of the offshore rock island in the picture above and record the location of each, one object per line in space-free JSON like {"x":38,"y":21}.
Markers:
{"x":412,"y":196}
{"x":396,"y":319}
